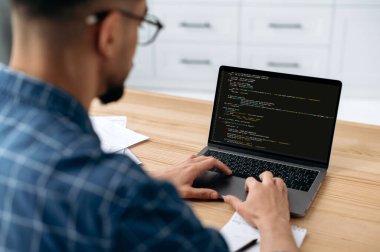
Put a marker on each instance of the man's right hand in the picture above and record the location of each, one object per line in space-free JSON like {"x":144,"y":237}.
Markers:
{"x":267,"y":208}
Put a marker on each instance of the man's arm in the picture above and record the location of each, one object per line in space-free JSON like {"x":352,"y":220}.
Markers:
{"x":156,"y":219}
{"x":266,"y":206}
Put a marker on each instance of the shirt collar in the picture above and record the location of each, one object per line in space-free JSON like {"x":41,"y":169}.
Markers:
{"x":19,"y":86}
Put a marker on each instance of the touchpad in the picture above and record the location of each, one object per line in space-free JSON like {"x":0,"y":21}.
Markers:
{"x":223,"y":184}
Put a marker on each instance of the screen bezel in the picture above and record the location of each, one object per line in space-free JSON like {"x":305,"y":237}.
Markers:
{"x":269,"y":154}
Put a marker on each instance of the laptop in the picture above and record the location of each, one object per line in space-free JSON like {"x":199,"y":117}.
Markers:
{"x":271,"y":121}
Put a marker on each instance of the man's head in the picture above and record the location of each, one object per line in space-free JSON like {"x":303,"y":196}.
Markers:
{"x":93,"y":32}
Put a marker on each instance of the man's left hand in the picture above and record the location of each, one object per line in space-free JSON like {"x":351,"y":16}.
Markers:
{"x":183,"y":175}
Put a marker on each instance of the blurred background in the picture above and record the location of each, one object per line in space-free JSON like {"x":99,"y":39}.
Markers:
{"x":5,"y":31}
{"x":337,"y":39}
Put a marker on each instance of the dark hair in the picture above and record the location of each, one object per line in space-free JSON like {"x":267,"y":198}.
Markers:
{"x":48,"y":8}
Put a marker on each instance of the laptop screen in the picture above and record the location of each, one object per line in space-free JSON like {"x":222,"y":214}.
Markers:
{"x":283,"y":114}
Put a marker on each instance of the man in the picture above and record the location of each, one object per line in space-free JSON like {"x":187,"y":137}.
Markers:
{"x":58,"y":190}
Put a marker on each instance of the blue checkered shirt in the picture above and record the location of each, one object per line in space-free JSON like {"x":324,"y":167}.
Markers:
{"x":60,"y":192}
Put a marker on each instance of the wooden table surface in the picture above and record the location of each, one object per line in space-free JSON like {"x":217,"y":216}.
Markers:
{"x":345,"y":215}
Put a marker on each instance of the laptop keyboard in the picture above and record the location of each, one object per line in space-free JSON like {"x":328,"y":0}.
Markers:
{"x":294,"y":177}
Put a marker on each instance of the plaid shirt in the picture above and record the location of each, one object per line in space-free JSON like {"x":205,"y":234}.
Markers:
{"x":60,"y":192}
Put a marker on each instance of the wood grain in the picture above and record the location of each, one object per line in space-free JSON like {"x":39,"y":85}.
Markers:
{"x":345,"y":215}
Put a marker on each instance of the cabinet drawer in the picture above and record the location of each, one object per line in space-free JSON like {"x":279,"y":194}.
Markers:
{"x":357,"y":2}
{"x":286,"y":25}
{"x":193,"y":62}
{"x":304,"y":2}
{"x":189,"y":22}
{"x":303,"y":61}
{"x":215,"y":2}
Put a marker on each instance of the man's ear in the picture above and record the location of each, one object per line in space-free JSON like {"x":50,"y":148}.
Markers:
{"x":107,"y":35}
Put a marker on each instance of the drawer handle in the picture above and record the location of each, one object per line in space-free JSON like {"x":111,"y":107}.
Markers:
{"x":195,"y":25}
{"x":285,"y":26}
{"x":284,"y":65}
{"x":195,"y":62}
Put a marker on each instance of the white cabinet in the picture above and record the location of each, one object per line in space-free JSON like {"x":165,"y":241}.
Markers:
{"x":143,"y":63}
{"x":198,"y":2}
{"x":193,"y":23}
{"x":198,"y":37}
{"x":357,"y":2}
{"x":187,"y":61}
{"x":356,"y":50}
{"x":323,"y":38}
{"x":306,"y":60}
{"x":287,"y":2}
{"x":286,"y":25}
{"x":289,"y":39}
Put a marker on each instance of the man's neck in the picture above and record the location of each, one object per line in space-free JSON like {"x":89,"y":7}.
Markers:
{"x":61,"y":67}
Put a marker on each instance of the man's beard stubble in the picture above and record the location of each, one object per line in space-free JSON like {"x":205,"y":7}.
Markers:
{"x":112,"y":94}
{"x":115,"y":88}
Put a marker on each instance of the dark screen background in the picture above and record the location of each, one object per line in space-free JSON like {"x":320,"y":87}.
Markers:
{"x":282,"y":116}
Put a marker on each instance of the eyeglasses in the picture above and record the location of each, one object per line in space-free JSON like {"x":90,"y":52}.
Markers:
{"x":149,"y":28}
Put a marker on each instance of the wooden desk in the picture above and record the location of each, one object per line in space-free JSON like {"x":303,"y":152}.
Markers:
{"x":345,"y":215}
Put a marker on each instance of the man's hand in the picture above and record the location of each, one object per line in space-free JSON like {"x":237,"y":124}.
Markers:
{"x":183,"y":175}
{"x":266,"y":202}
{"x":267,"y":208}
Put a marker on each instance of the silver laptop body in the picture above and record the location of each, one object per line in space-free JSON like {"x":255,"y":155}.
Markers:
{"x":272,"y":121}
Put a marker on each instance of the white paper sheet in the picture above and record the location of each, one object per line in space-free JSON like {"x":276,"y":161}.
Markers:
{"x":129,"y":153}
{"x":119,"y":120}
{"x":115,"y":137}
{"x":237,"y":233}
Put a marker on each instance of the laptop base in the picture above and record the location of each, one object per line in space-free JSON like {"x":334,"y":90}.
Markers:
{"x":299,"y":201}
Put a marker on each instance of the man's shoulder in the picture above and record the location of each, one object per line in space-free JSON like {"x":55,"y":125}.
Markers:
{"x":66,"y":153}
